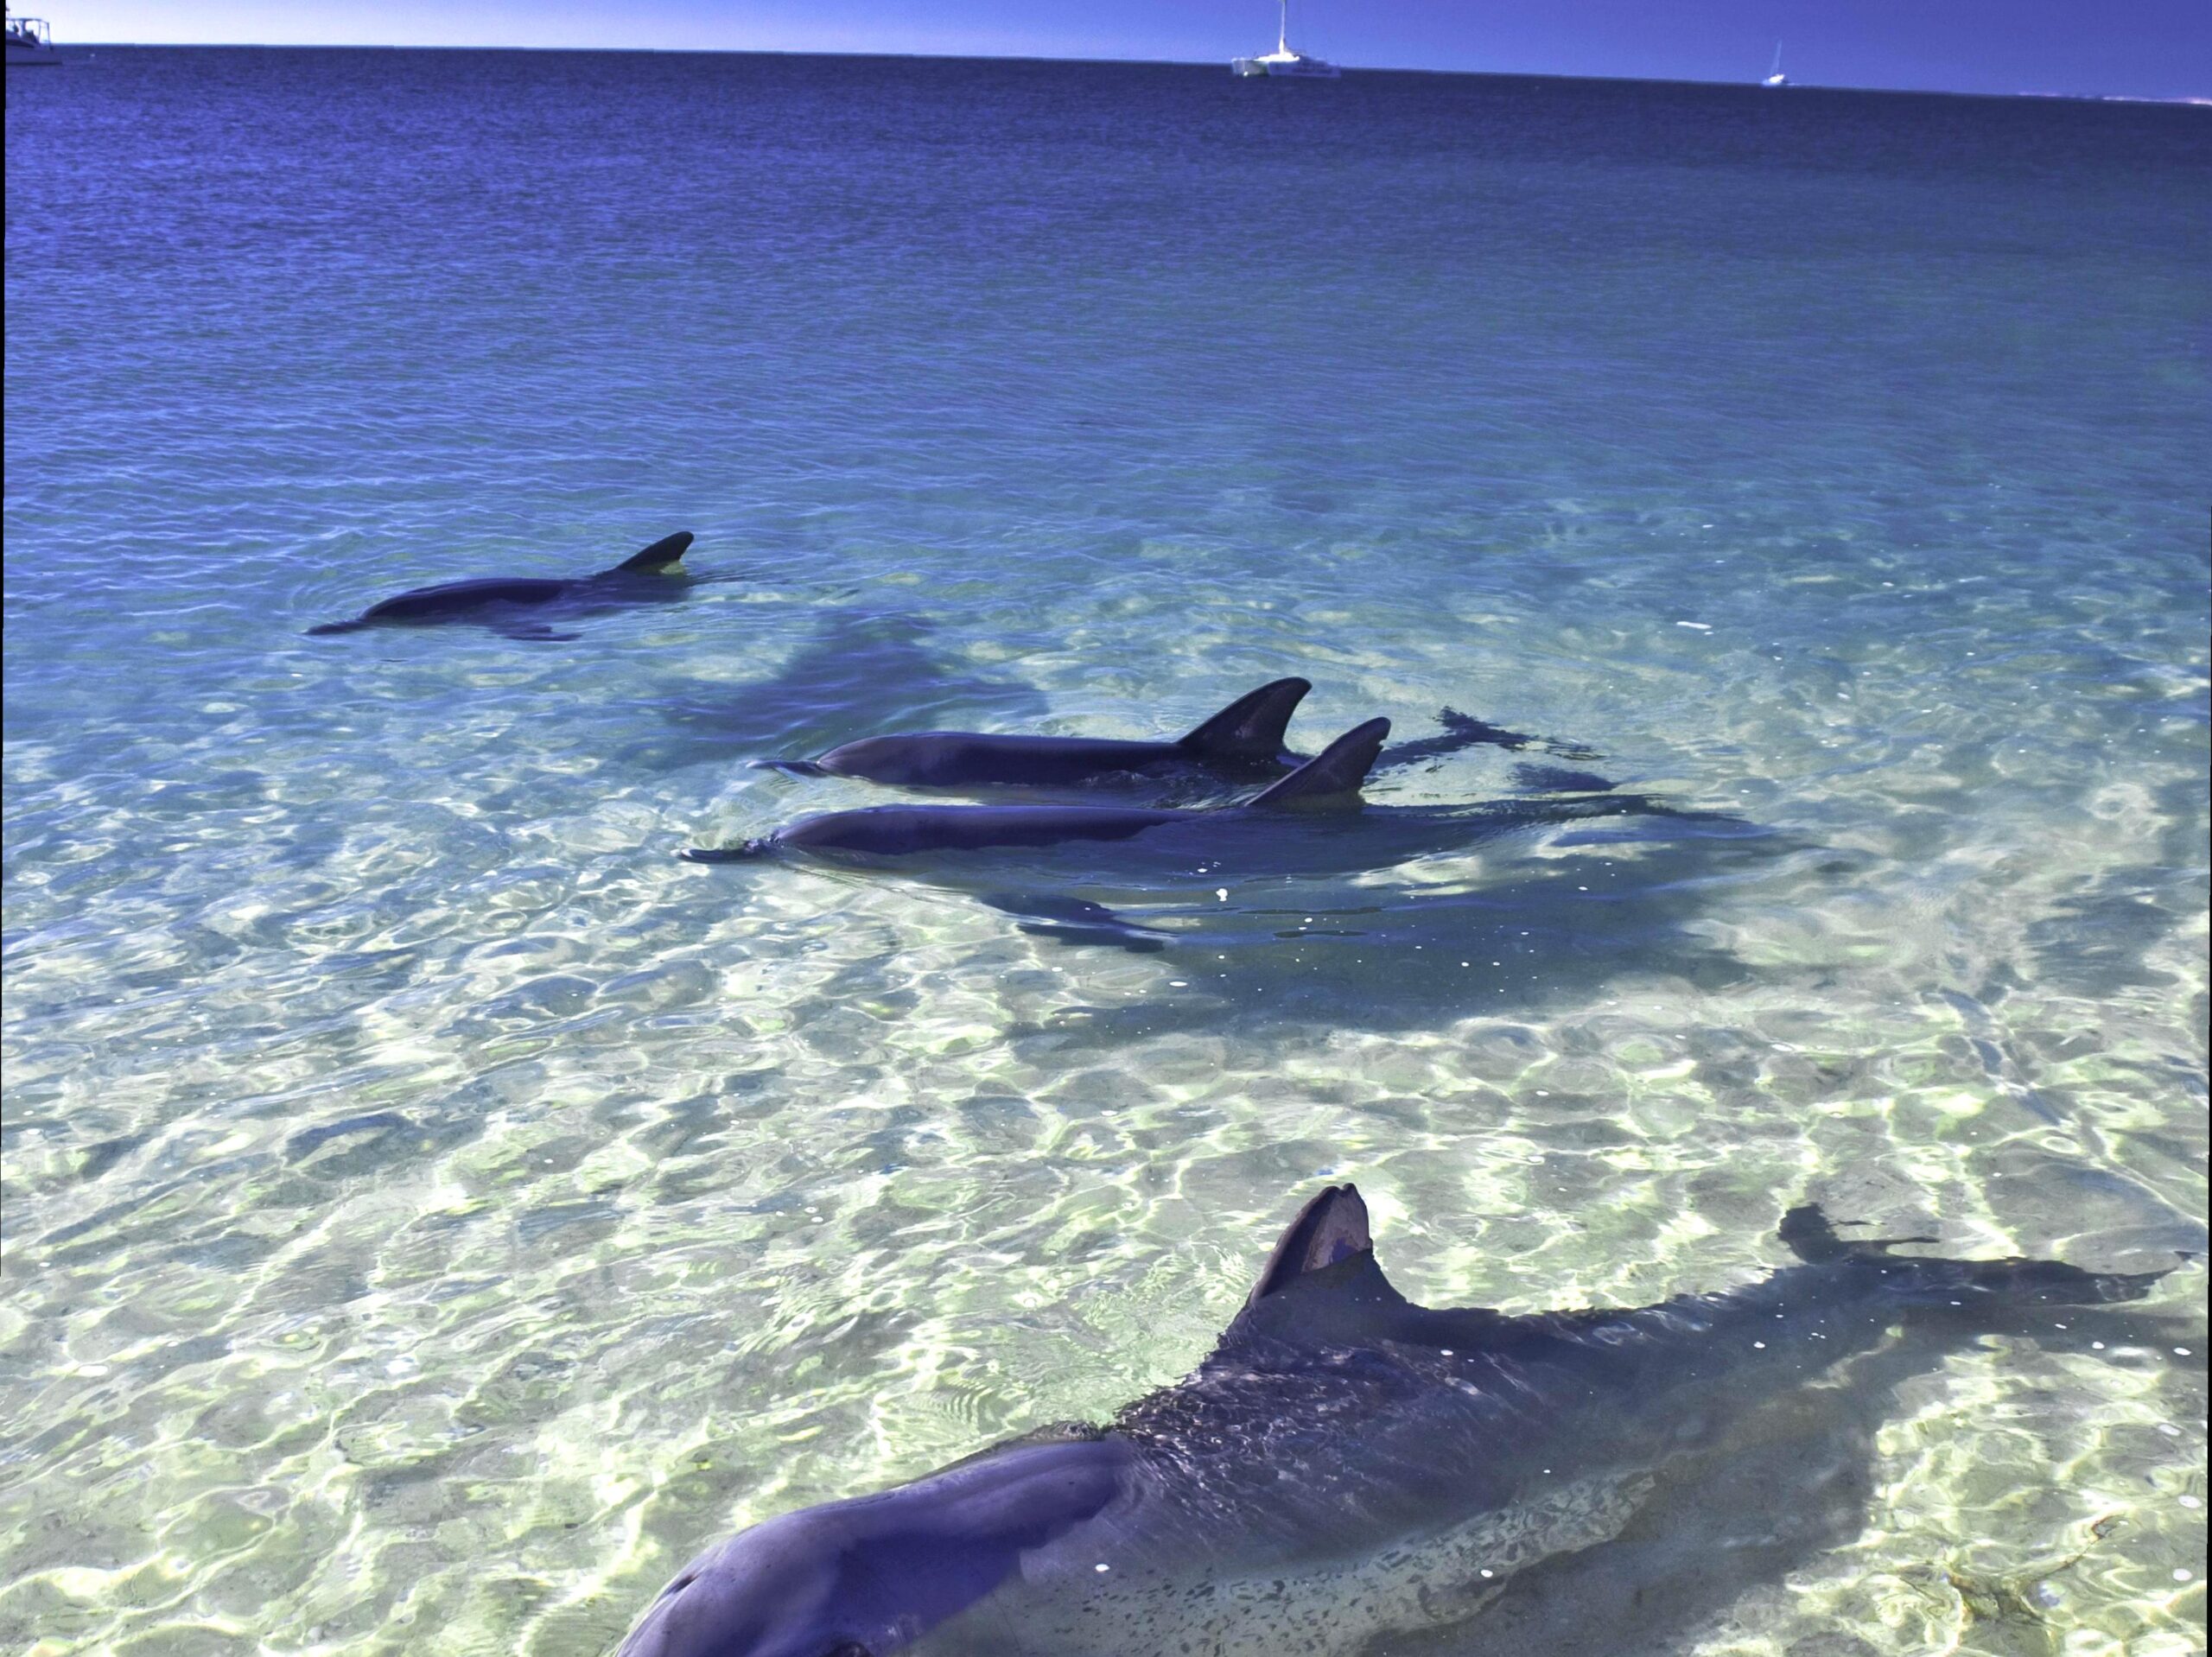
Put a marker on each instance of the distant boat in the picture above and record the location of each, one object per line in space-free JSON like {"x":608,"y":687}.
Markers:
{"x":30,"y":42}
{"x":1284,"y":61}
{"x":1774,"y":76}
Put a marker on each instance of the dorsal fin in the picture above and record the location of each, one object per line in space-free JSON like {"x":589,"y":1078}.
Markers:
{"x":659,"y":555}
{"x":1250,"y":728}
{"x":1330,"y":1229}
{"x":1338,"y":769}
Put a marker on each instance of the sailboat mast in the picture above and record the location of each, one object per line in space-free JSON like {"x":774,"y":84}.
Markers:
{"x":1282,"y":34}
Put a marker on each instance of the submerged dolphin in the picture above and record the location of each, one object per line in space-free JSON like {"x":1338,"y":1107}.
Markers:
{"x":1268,"y":823}
{"x":1346,"y":1465}
{"x":493,"y":601}
{"x":1245,"y":739}
{"x":906,"y":830}
{"x":1309,"y":824}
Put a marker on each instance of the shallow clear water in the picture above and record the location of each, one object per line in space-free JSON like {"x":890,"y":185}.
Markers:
{"x":433,"y":1211}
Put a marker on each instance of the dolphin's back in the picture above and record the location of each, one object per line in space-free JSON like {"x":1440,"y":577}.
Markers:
{"x":1402,"y":1413}
{"x":450,"y":600}
{"x":454,"y":598}
{"x":1244,"y":737}
{"x":952,"y":758}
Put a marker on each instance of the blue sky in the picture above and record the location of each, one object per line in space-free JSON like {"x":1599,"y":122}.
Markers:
{"x":2158,"y":48}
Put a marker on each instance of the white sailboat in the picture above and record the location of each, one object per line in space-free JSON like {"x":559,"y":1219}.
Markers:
{"x":1284,"y":61}
{"x":1774,"y":76}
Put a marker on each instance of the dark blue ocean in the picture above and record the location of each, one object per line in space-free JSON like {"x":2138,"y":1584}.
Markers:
{"x":433,"y":1211}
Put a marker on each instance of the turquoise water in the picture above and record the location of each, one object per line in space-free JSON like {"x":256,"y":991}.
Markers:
{"x":433,"y":1211}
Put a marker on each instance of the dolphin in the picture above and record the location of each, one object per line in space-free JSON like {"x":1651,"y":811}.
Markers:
{"x":1346,"y":1465}
{"x":1309,"y":824}
{"x":1244,"y":739}
{"x":494,"y":601}
{"x":906,"y":830}
{"x":1242,"y":742}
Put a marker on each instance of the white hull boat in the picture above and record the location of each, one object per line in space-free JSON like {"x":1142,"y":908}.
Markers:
{"x":30,"y":42}
{"x":1284,"y":61}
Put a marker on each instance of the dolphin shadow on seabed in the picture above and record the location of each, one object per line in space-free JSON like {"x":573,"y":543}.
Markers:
{"x":1352,"y":1475}
{"x":858,"y":674}
{"x":1541,"y":921}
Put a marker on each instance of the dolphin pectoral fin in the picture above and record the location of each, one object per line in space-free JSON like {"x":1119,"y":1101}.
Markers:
{"x":1075,"y":920}
{"x":531,"y":632}
{"x":1135,"y":939}
{"x":1252,"y":726}
{"x":661,"y":557}
{"x":746,"y":853}
{"x":1335,"y":772}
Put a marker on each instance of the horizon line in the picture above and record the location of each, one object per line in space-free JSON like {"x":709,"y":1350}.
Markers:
{"x":2183,"y":100}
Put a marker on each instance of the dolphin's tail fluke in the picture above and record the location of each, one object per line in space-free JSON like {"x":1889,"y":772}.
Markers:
{"x":1336,"y":771}
{"x":663,"y":555}
{"x":1252,"y":726}
{"x":1964,"y":1285}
